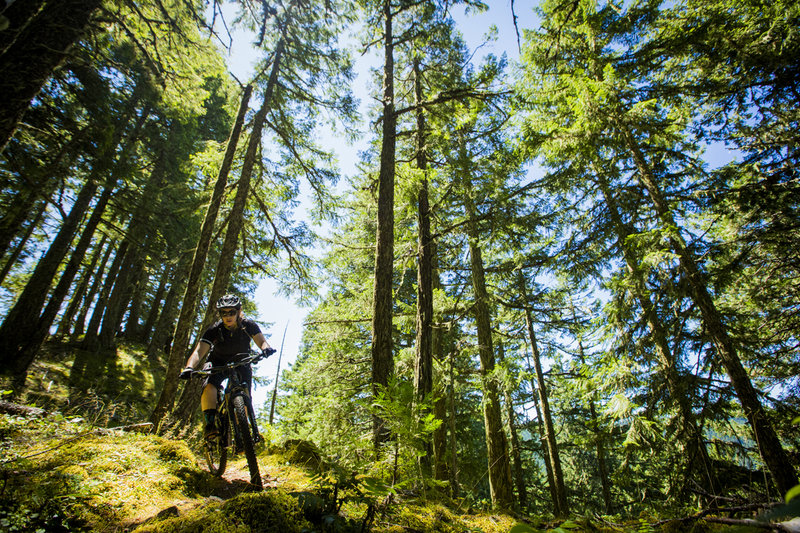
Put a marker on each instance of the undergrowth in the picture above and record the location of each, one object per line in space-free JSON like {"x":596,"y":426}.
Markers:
{"x":67,"y":471}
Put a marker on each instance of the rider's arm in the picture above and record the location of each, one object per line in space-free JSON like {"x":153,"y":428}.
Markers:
{"x":261,"y":341}
{"x":198,"y":354}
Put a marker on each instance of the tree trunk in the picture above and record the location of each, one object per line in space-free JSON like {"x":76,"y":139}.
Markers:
{"x":16,"y":328}
{"x":500,"y":483}
{"x":548,"y":467}
{"x":133,"y":262}
{"x":423,"y":362}
{"x":37,"y":189}
{"x":382,"y":305}
{"x":451,"y":397}
{"x":767,"y":439}
{"x":80,"y":290}
{"x":516,"y":456}
{"x":12,"y":259}
{"x":97,"y":281}
{"x":690,"y":432}
{"x":599,"y":440}
{"x":560,"y":505}
{"x":91,"y":342}
{"x":38,"y":49}
{"x":165,"y":324}
{"x":600,"y":450}
{"x":181,"y":336}
{"x":222,"y":273}
{"x":440,"y":469}
{"x":80,"y":322}
{"x":121,"y":293}
{"x":19,"y":15}
{"x":133,"y":330}
{"x":155,"y":304}
{"x":20,"y":323}
{"x":19,"y":209}
{"x":40,"y":333}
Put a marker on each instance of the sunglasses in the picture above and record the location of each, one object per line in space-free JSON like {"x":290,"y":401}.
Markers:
{"x":230,"y":312}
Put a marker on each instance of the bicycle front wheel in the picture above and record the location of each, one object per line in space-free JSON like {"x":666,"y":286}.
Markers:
{"x":243,"y":427}
{"x":216,"y":448}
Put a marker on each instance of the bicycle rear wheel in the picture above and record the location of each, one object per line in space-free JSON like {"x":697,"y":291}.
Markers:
{"x":216,"y":448}
{"x":243,"y":427}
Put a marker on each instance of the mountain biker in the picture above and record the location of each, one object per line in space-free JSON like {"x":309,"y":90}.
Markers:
{"x":228,"y":337}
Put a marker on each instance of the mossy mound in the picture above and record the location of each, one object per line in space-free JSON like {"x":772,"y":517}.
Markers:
{"x":273,"y":511}
{"x":64,"y":474}
{"x":302,"y":453}
{"x":433,"y":518}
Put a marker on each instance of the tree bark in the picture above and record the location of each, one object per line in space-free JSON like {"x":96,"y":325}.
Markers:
{"x":181,"y":336}
{"x":560,"y":504}
{"x":165,"y":324}
{"x":690,"y":432}
{"x":18,"y":211}
{"x":155,"y":304}
{"x":38,"y":188}
{"x":38,"y":48}
{"x":12,"y":259}
{"x":548,"y":467}
{"x":19,"y":15}
{"x":382,"y":305}
{"x":20,"y":323}
{"x":599,"y":441}
{"x":39,"y":334}
{"x":600,"y":450}
{"x":134,"y":260}
{"x":97,"y":280}
{"x":516,"y":456}
{"x":94,"y":338}
{"x":90,"y":341}
{"x":423,"y":362}
{"x":80,"y":290}
{"x":133,"y":330}
{"x":451,"y":398}
{"x":767,"y":439}
{"x":500,"y":483}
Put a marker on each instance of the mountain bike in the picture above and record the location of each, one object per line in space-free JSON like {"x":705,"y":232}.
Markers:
{"x":235,"y":419}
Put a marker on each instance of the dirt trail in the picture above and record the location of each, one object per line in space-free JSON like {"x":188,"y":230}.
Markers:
{"x":233,"y":482}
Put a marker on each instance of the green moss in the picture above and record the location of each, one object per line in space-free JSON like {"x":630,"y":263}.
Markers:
{"x":302,"y":453}
{"x":429,"y":518}
{"x":170,"y":450}
{"x":269,"y":511}
{"x":434,"y":518}
{"x":265,"y":512}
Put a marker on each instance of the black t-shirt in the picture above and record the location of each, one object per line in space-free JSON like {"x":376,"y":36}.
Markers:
{"x":227,"y":343}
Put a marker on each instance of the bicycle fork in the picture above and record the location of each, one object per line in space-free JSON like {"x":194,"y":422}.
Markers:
{"x":251,"y":413}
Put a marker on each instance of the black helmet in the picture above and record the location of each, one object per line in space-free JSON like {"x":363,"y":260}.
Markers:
{"x":229,"y":300}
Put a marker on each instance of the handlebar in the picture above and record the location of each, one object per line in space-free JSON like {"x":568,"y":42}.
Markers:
{"x":252,"y":357}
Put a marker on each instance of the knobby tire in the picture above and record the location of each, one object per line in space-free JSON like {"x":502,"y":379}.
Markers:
{"x":216,"y":449}
{"x":248,"y":446}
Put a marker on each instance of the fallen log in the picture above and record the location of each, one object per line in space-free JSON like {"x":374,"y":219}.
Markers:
{"x":20,"y":410}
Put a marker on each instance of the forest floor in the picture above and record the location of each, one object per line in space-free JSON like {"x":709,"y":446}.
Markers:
{"x":83,"y":461}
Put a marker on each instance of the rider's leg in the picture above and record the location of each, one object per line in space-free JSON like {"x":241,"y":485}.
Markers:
{"x":209,"y":398}
{"x":208,"y":403}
